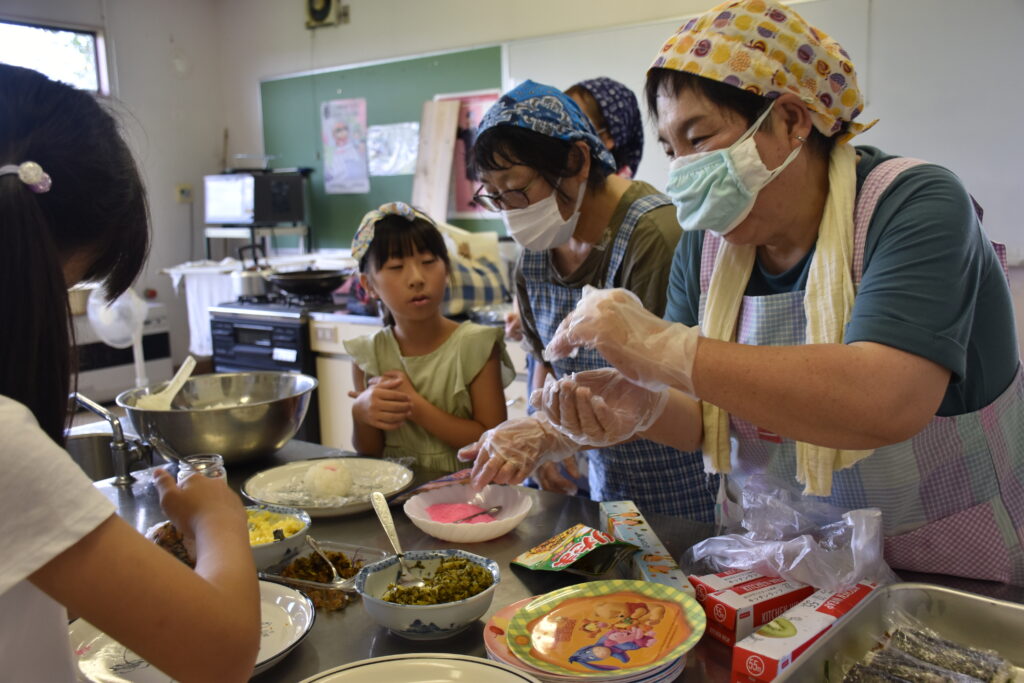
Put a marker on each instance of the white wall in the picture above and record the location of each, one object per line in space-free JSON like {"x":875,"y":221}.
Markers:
{"x":166,"y":76}
{"x":264,"y":38}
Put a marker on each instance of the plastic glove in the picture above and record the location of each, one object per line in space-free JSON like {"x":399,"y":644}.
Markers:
{"x":646,"y":349}
{"x":510,"y":452}
{"x":599,"y":407}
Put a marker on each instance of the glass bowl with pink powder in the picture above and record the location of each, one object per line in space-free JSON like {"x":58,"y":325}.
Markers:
{"x":434,"y":512}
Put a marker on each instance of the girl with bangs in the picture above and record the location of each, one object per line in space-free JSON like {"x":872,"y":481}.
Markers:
{"x":425,"y":385}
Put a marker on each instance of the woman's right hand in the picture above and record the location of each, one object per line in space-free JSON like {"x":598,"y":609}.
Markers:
{"x":382,"y":404}
{"x":648,"y":350}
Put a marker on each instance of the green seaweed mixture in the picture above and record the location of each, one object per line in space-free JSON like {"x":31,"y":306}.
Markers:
{"x":455,"y":579}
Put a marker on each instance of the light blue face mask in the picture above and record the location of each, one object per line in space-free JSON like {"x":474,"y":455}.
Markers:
{"x":716,"y":190}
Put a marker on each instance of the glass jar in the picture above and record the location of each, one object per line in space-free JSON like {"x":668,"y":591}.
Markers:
{"x":207,"y":464}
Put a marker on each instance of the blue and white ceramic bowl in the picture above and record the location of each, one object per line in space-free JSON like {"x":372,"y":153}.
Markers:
{"x":267,"y":554}
{"x":423,"y":622}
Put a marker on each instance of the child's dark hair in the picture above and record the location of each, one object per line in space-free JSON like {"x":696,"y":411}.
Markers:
{"x":96,"y":206}
{"x":396,"y":236}
{"x":501,"y":147}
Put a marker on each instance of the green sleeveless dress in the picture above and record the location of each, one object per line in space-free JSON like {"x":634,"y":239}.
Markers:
{"x":442,"y":377}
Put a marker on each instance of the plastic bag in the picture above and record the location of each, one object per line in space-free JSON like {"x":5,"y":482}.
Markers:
{"x":798,"y":538}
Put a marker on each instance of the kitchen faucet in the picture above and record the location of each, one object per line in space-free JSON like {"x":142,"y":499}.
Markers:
{"x":123,"y":453}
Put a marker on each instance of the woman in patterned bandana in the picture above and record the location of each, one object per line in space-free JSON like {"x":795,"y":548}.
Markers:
{"x":837,"y":317}
{"x":613,"y":109}
{"x":545,"y":169}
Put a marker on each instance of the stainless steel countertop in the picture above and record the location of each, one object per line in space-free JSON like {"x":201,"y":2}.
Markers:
{"x":349,"y":635}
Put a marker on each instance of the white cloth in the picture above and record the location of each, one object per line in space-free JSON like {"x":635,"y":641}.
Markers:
{"x":47,"y":504}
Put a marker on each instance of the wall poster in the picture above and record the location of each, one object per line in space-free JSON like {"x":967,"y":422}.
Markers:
{"x":472,"y":107}
{"x":343,"y":134}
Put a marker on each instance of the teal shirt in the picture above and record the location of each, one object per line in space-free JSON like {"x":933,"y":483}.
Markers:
{"x":932,"y":284}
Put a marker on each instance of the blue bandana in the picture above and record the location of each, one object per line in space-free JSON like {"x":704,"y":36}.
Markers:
{"x":550,"y":112}
{"x":622,"y":115}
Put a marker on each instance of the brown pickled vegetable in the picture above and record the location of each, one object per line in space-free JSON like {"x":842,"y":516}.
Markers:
{"x":455,"y":579}
{"x":312,"y":568}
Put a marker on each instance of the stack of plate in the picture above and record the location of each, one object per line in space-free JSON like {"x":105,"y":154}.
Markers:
{"x":601,"y":631}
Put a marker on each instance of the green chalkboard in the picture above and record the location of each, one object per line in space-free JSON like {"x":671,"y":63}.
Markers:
{"x":394,"y":93}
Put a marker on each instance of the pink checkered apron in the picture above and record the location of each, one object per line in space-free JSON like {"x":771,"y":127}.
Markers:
{"x":952,"y":497}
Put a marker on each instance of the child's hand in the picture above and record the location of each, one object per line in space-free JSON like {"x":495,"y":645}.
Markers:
{"x":381,"y":405}
{"x":197,"y":498}
{"x":404,"y":384}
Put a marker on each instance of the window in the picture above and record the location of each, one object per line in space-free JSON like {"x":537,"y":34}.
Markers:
{"x":73,"y":56}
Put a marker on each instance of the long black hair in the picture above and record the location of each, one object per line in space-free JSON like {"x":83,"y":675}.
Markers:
{"x":746,"y":104}
{"x":395,"y":236}
{"x":96,"y":209}
{"x":501,"y":147}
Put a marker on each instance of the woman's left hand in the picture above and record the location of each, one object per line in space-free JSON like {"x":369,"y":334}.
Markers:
{"x":646,"y":349}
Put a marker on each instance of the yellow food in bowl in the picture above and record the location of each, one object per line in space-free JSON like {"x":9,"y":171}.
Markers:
{"x":263,"y":524}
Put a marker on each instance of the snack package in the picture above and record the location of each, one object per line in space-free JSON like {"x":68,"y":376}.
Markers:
{"x":733,"y":613}
{"x":579,"y":550}
{"x":652,"y":562}
{"x":768,"y":651}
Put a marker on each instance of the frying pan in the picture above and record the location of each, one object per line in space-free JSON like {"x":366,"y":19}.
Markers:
{"x":305,"y":282}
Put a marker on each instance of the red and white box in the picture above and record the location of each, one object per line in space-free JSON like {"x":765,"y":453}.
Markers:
{"x":767,"y":652}
{"x":734,"y":613}
{"x":711,"y":583}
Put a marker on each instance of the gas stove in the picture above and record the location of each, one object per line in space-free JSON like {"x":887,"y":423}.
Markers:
{"x":282,"y":306}
{"x":270,"y":333}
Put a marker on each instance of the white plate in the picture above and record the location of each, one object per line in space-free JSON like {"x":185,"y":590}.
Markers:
{"x":283,"y":485}
{"x":423,"y":667}
{"x":287,"y":616}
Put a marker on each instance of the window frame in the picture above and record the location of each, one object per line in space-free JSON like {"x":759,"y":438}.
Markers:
{"x":100,"y":57}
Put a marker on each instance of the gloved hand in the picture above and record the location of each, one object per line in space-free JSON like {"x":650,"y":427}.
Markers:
{"x":599,"y":407}
{"x":510,"y":452}
{"x":646,"y":349}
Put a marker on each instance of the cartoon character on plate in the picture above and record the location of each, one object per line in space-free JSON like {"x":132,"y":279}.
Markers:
{"x":616,"y":643}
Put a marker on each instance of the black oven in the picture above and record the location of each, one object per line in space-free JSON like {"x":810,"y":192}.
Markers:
{"x":246,"y":338}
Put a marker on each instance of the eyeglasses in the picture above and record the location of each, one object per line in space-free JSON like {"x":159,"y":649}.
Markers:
{"x":503,"y":201}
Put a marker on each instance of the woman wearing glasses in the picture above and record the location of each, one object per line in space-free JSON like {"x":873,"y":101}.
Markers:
{"x":547,"y":172}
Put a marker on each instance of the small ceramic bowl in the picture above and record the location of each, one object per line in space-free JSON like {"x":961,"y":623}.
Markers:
{"x":423,"y":622}
{"x":515,"y":504}
{"x":267,"y":554}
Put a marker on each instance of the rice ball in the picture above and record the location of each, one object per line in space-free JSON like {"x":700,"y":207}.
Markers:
{"x":328,"y":479}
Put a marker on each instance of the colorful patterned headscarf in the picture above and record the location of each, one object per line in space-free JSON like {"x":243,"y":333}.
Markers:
{"x":622,"y":115}
{"x":550,"y":112}
{"x":364,"y":233}
{"x":765,"y":47}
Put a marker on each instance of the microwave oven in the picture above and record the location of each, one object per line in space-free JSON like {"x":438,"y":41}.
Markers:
{"x":254,"y":198}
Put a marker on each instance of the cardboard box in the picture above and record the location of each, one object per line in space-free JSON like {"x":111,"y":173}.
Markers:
{"x":711,"y":583}
{"x":733,"y":613}
{"x":652,"y":562}
{"x":767,"y":652}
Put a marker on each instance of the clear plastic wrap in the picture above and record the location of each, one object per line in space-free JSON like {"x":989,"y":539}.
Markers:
{"x":799,"y":539}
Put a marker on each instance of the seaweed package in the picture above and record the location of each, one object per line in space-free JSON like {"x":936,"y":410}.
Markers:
{"x":889,"y":665}
{"x":927,"y":646}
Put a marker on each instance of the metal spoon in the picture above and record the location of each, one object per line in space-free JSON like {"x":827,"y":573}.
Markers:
{"x":489,"y":511}
{"x":336,"y":581}
{"x":380,"y":506}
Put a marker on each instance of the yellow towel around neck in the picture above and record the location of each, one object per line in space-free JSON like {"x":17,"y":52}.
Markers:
{"x":828,"y":301}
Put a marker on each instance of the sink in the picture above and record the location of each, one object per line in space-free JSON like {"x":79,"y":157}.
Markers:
{"x":92,"y":453}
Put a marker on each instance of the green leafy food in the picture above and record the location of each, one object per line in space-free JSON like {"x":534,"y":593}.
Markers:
{"x":455,"y":579}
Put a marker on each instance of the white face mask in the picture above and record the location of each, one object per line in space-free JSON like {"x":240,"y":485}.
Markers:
{"x":716,"y":190}
{"x":540,"y":225}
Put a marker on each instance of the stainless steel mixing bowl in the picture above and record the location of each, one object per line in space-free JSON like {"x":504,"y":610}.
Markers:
{"x":240,"y":415}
